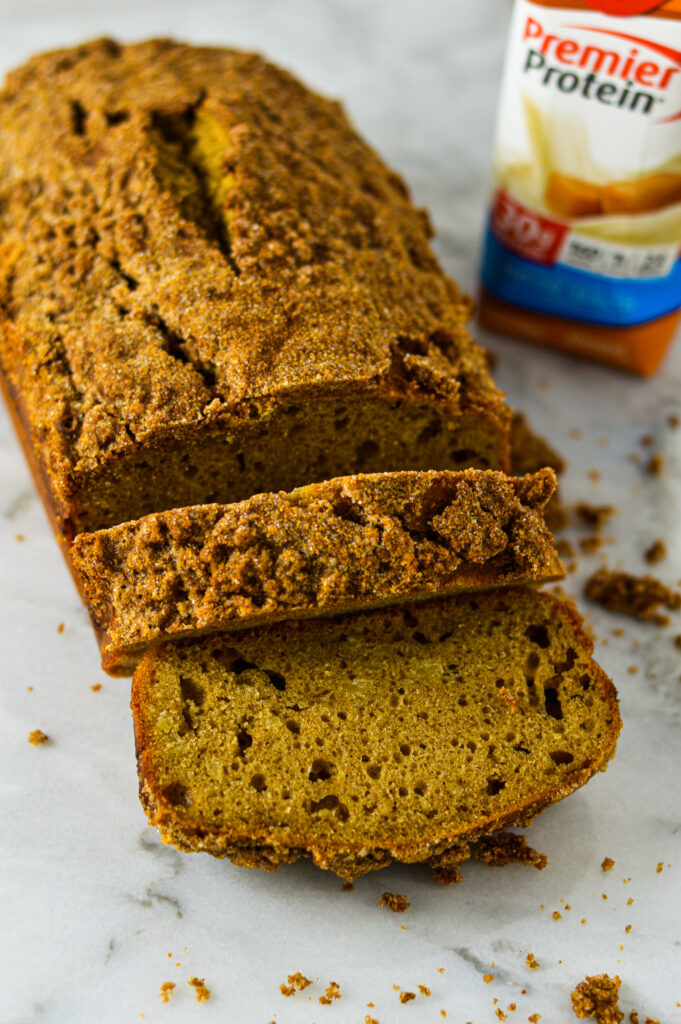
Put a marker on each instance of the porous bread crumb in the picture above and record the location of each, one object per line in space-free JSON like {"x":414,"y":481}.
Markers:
{"x":424,"y":990}
{"x":96,"y":687}
{"x":656,"y":552}
{"x":659,"y":867}
{"x":531,"y":961}
{"x":332,"y":992}
{"x":296,"y":983}
{"x":595,"y":516}
{"x":655,"y":464}
{"x":166,"y":990}
{"x":556,"y":915}
{"x":487,"y":978}
{"x":347,"y":887}
{"x":397,"y":903}
{"x":61,"y":627}
{"x":638,"y":596}
{"x":406,"y":997}
{"x":597,"y":997}
{"x":508,"y":848}
{"x":607,"y":864}
{"x":200,"y":991}
{"x":37,"y":736}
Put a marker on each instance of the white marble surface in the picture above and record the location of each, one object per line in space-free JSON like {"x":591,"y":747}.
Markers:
{"x":91,"y":903}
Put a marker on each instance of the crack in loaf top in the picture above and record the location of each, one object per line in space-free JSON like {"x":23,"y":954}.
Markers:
{"x":185,"y":231}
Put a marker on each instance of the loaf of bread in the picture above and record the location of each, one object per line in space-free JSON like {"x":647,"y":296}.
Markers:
{"x":210,"y":287}
{"x":331,"y":547}
{"x":403,"y":734}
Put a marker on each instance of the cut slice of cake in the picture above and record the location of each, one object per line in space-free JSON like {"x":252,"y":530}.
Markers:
{"x":402,"y":734}
{"x":332,"y":547}
{"x":211,"y":287}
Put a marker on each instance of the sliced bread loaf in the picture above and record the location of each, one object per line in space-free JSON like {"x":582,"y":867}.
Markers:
{"x":345,"y":544}
{"x":405,"y":734}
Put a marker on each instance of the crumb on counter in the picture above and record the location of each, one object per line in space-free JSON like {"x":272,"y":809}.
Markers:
{"x":167,"y":990}
{"x":655,"y":552}
{"x":424,"y":990}
{"x":347,"y":887}
{"x":597,"y":997}
{"x":332,"y":992}
{"x":61,"y":627}
{"x":655,"y":465}
{"x":595,"y":516}
{"x":406,"y":997}
{"x":532,"y":961}
{"x":487,"y":978}
{"x":607,"y":864}
{"x":200,"y":991}
{"x":96,"y":687}
{"x":397,"y":903}
{"x":659,"y":867}
{"x":296,"y":983}
{"x":37,"y":736}
{"x":639,"y":596}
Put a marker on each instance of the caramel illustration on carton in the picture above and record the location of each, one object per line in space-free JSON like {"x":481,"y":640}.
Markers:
{"x":584,"y":239}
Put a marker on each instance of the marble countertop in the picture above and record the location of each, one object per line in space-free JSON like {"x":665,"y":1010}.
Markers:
{"x":95,"y":912}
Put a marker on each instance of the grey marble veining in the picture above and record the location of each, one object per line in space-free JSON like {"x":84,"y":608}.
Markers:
{"x":91,"y":903}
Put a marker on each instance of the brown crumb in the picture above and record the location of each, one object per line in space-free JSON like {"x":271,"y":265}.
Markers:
{"x":595,"y":516}
{"x":370,"y":1020}
{"x":656,"y":552}
{"x":167,"y":990}
{"x":440,"y":970}
{"x":200,"y":991}
{"x":604,"y":896}
{"x":659,"y":867}
{"x":630,"y":901}
{"x":37,"y":736}
{"x":20,"y":537}
{"x":61,"y":627}
{"x":398,"y":904}
{"x":511,"y":1007}
{"x":607,"y":864}
{"x":347,"y":887}
{"x":584,"y":920}
{"x":296,"y":983}
{"x":589,"y":545}
{"x":594,"y":475}
{"x":597,"y":997}
{"x":406,"y":997}
{"x":443,"y":1013}
{"x":632,"y":670}
{"x":30,"y":688}
{"x":655,"y":464}
{"x":627,"y":929}
{"x":507,"y":848}
{"x":674,"y":420}
{"x":487,"y":978}
{"x":332,"y":992}
{"x":531,"y":961}
{"x":96,"y":687}
{"x":647,"y":440}
{"x":500,"y":1014}
{"x":639,"y":596}
{"x":565,"y":548}
{"x":424,"y":990}
{"x":556,"y":915}
{"x":535,"y":1018}
{"x":677,"y":643}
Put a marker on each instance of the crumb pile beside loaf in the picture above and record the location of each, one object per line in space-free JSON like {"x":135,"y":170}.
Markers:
{"x":259,"y":425}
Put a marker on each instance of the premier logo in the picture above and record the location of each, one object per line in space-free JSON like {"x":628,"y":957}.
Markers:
{"x":626,"y":71}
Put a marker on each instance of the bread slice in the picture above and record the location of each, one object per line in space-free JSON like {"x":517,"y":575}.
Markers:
{"x":402,"y":734}
{"x":346,"y":544}
{"x":211,"y":287}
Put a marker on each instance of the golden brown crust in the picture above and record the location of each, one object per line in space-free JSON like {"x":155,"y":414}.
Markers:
{"x":267,"y":845}
{"x":342,"y":545}
{"x":184,"y":231}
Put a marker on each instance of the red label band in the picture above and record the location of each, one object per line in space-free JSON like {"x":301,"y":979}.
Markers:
{"x":624,"y":8}
{"x":525,"y":231}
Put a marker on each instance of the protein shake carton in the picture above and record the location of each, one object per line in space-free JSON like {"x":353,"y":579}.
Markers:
{"x":583,"y":247}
